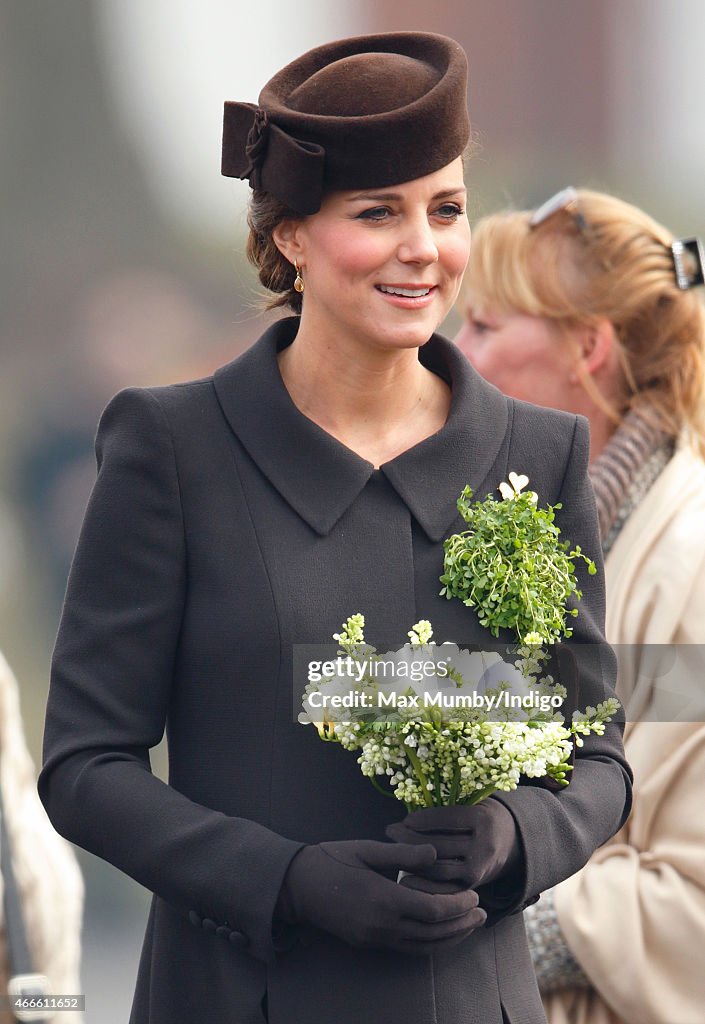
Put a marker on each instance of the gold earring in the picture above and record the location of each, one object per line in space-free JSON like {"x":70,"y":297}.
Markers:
{"x":298,"y":280}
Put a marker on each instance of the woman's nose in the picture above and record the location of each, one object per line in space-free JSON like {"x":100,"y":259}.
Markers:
{"x":418,"y":244}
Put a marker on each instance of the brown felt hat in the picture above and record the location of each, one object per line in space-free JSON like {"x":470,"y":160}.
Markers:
{"x":365,"y":112}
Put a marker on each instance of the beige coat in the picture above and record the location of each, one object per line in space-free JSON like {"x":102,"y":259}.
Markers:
{"x":46,"y":871}
{"x":634,"y":917}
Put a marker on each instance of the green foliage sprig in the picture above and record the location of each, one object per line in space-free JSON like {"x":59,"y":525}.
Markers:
{"x":511,"y":565}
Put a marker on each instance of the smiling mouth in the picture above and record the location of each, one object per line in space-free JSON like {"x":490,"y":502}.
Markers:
{"x":407,"y":293}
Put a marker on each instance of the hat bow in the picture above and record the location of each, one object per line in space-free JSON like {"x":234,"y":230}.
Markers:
{"x":257,"y":149}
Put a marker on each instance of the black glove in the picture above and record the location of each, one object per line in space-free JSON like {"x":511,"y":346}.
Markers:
{"x":345,"y":889}
{"x":475,"y":845}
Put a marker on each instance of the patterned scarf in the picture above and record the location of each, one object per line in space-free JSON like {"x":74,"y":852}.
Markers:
{"x":624,"y":471}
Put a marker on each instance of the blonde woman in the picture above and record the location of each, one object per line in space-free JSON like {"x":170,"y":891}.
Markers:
{"x":589,"y":305}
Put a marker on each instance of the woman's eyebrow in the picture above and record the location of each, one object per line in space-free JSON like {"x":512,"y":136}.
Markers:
{"x":385,"y":197}
{"x":388,"y":197}
{"x":448,"y":192}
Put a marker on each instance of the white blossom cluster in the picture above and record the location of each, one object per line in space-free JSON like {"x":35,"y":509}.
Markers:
{"x":426,"y":763}
{"x":426,"y":758}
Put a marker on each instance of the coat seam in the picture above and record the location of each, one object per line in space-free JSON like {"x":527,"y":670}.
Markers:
{"x":184,"y":547}
{"x":277,"y":618}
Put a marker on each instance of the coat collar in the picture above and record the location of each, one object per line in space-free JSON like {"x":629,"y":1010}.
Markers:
{"x":320,"y":478}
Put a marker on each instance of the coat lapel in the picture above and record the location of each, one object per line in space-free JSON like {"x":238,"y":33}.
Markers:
{"x":320,"y":478}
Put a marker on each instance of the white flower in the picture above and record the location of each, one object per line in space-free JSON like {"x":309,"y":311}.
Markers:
{"x":535,"y":639}
{"x":516,"y":485}
{"x":421,"y":633}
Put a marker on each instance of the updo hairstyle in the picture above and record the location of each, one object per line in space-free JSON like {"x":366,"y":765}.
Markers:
{"x":275,"y":272}
{"x":607,"y":259}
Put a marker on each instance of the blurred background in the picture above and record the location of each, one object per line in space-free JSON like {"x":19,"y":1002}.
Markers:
{"x":121,"y":245}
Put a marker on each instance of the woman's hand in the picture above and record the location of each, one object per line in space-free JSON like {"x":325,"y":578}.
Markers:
{"x":349,"y":889}
{"x":475,"y":845}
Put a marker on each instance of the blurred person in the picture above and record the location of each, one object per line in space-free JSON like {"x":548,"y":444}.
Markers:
{"x":46,"y":876}
{"x":587,"y":305}
{"x":53,"y":460}
{"x":237,"y":515}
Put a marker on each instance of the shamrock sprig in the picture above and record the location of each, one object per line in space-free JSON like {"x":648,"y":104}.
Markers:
{"x":511,"y":565}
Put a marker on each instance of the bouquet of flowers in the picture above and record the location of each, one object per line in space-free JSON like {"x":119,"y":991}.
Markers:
{"x":436,"y":725}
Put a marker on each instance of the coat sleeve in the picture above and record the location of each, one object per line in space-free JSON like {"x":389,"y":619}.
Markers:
{"x":110,"y":690}
{"x":559,"y":830}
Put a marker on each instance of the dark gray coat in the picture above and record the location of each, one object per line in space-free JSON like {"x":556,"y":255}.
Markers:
{"x":225,"y":526}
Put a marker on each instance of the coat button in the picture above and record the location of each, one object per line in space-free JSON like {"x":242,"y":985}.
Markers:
{"x":194,"y":918}
{"x":238,"y":940}
{"x":209,"y":925}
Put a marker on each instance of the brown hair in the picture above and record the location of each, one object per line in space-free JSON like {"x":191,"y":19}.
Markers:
{"x":615,"y":263}
{"x":277,"y":275}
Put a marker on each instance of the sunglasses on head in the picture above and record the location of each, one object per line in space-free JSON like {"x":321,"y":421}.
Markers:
{"x":688,"y":253}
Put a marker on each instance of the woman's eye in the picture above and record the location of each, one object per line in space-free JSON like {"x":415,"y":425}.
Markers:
{"x":375,"y":213}
{"x":478,"y":326}
{"x":450,"y":211}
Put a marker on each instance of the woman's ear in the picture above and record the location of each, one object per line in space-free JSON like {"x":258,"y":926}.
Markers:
{"x":286,"y":238}
{"x":597,"y":347}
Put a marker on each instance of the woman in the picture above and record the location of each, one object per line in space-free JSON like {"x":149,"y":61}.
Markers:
{"x":587,"y":305}
{"x":237,"y":516}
